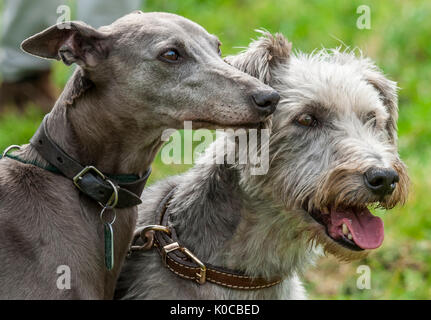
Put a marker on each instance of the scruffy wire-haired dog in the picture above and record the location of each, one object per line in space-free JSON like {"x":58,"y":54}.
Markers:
{"x":333,"y":154}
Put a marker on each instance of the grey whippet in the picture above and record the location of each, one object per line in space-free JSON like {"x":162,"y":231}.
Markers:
{"x":145,"y":73}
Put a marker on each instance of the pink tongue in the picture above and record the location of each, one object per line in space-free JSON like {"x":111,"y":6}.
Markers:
{"x":366,"y":229}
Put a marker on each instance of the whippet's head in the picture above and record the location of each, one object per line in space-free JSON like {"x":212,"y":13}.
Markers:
{"x":164,"y":69}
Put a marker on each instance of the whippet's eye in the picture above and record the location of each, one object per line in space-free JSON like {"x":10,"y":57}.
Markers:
{"x":171,"y":55}
{"x":307,"y":120}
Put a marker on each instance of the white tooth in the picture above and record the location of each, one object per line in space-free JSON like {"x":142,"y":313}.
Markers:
{"x":345,"y":229}
{"x":325,"y":210}
{"x":349,"y":236}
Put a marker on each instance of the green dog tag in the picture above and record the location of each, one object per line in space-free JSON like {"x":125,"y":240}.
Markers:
{"x":109,"y":246}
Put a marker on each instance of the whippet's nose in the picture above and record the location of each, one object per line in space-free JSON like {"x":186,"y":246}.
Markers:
{"x":266,"y":101}
{"x":381,"y":182}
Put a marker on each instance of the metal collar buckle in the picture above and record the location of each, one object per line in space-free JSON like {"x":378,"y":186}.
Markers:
{"x":202,"y":275}
{"x":85,"y":171}
{"x":113,"y":201}
{"x":146,"y":234}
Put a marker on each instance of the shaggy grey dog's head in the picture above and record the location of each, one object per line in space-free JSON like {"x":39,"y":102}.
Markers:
{"x":333,"y":150}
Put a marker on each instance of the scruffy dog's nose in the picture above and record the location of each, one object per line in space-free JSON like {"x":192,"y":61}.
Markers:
{"x":266,"y":101}
{"x":380,"y":181}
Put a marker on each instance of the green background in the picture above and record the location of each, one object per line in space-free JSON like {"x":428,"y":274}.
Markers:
{"x":400,"y":42}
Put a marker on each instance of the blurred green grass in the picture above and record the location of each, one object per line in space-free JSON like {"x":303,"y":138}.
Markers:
{"x":399,"y":41}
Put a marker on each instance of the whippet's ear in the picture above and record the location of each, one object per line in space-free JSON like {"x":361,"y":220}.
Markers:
{"x":71,"y":42}
{"x":262,"y":56}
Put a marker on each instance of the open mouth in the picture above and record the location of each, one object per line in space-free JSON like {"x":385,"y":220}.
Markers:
{"x":352,"y":227}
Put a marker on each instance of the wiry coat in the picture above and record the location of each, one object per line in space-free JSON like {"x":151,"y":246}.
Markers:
{"x":260,"y":224}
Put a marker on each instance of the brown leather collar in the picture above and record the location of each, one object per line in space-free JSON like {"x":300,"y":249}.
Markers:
{"x":90,"y":181}
{"x":184,"y":263}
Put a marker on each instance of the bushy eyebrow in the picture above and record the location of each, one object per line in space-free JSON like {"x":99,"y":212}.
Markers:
{"x":317,"y":107}
{"x":313,"y":108}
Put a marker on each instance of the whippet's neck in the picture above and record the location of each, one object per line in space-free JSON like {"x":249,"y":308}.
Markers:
{"x":94,"y":126}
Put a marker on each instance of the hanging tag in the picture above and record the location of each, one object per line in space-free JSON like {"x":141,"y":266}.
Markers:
{"x":109,"y":246}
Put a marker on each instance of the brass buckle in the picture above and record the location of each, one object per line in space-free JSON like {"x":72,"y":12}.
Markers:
{"x":113,"y":201}
{"x":84,"y":172}
{"x":202,"y":275}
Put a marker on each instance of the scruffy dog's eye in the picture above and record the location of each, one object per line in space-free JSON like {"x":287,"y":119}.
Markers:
{"x":307,"y":120}
{"x":171,"y":55}
{"x":219,"y":49}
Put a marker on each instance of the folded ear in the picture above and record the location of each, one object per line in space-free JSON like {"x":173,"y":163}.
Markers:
{"x":387,"y":90}
{"x":72,"y":42}
{"x":262,"y":56}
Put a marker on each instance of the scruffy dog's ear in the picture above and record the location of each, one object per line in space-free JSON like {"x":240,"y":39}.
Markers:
{"x":388,"y":93}
{"x":262,"y":56}
{"x":71,"y":42}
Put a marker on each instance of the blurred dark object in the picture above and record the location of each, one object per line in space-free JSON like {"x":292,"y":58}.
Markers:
{"x":37,"y":89}
{"x":26,"y":78}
